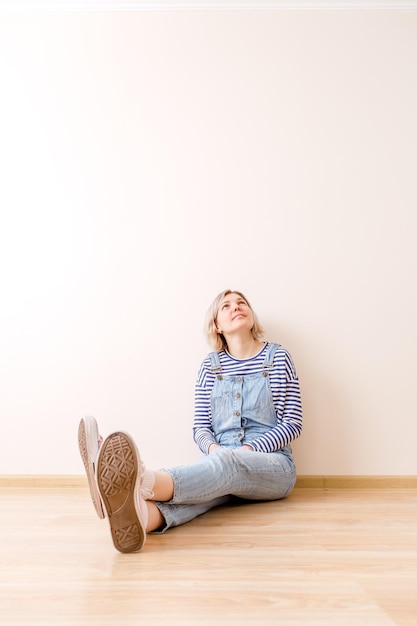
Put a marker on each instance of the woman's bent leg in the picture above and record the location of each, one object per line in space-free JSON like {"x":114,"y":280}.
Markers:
{"x":226,"y":472}
{"x":233,"y":471}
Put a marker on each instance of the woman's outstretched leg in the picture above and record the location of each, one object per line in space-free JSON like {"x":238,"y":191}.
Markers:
{"x":120,"y":473}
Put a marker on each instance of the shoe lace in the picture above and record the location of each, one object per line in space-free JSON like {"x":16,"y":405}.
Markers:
{"x":147,"y":494}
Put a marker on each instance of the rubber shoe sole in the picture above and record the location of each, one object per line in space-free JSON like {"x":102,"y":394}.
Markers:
{"x":118,"y":477}
{"x":88,"y":445}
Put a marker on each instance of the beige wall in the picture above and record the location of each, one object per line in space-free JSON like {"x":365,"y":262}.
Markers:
{"x":150,"y":160}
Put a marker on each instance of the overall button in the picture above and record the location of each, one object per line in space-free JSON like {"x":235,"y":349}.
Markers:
{"x":264,"y":373}
{"x":237,"y":413}
{"x":239,"y":379}
{"x":238,"y":395}
{"x":240,"y":436}
{"x":219,"y":377}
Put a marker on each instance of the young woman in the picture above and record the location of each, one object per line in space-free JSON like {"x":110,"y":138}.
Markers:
{"x":247,"y":412}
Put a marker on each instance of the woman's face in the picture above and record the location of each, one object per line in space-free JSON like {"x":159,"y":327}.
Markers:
{"x":234,"y":315}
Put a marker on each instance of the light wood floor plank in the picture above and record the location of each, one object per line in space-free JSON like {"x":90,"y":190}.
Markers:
{"x":322,"y":557}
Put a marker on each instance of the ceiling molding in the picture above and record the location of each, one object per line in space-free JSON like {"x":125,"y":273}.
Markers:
{"x":178,"y":5}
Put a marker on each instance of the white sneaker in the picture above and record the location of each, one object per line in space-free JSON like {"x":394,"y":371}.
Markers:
{"x":89,"y":442}
{"x":118,"y":474}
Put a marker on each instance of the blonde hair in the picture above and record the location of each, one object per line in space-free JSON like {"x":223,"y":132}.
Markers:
{"x":216,"y":339}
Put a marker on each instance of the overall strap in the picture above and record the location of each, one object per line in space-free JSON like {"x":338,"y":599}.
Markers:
{"x":215,"y":362}
{"x":269,"y":357}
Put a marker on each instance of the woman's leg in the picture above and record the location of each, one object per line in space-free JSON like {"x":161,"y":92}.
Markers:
{"x":162,"y":514}
{"x":155,"y":519}
{"x":119,"y":476}
{"x":163,"y":488}
{"x":184,"y":492}
{"x":233,"y":471}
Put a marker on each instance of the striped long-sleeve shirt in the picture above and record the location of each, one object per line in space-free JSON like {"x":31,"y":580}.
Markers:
{"x":285,"y":393}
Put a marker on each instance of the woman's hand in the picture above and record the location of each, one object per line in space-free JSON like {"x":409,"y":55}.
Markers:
{"x":213,"y":447}
{"x":246,"y":447}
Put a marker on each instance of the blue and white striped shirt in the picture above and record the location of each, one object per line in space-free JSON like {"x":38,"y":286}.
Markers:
{"x":285,"y":393}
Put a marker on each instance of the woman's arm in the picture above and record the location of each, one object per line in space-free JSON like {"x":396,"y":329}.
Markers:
{"x":202,"y":428}
{"x":287,"y":401}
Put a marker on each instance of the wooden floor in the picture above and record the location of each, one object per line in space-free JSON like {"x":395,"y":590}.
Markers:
{"x":321,"y":557}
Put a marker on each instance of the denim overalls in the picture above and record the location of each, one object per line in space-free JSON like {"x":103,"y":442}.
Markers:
{"x":242,"y":409}
{"x":242,"y":406}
